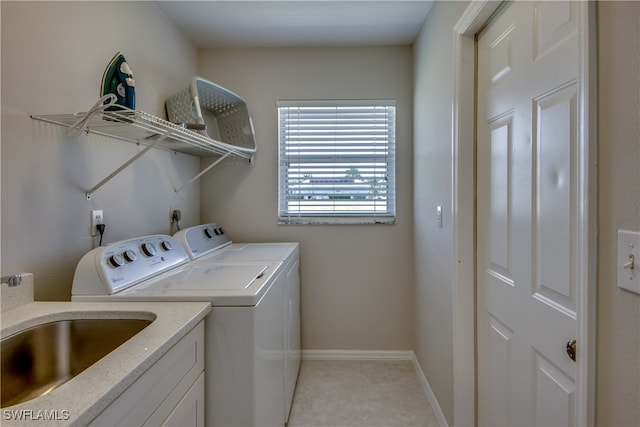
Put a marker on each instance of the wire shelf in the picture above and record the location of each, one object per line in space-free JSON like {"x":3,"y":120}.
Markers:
{"x":143,"y":128}
{"x":116,"y":121}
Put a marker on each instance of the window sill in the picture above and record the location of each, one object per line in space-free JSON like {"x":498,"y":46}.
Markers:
{"x":337,"y":221}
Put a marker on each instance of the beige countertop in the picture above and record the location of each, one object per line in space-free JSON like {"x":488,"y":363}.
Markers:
{"x":82,"y":398}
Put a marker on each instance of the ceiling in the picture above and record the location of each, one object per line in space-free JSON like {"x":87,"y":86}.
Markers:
{"x":286,"y":23}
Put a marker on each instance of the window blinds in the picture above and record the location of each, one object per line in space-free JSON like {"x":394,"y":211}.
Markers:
{"x":337,"y":161}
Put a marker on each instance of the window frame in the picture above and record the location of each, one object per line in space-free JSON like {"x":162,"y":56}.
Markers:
{"x":387,"y":216}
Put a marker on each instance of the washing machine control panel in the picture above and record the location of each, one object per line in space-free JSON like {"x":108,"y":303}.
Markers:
{"x":203,"y":239}
{"x":120,"y":265}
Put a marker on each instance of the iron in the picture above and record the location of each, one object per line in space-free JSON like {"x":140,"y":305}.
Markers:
{"x":118,"y":80}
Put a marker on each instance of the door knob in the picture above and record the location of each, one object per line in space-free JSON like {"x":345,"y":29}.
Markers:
{"x":571,"y":350}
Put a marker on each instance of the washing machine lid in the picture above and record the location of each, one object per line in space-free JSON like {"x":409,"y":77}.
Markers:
{"x":253,"y":252}
{"x":222,"y":284}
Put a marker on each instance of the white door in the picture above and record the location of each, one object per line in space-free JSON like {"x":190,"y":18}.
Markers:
{"x":528,"y":220}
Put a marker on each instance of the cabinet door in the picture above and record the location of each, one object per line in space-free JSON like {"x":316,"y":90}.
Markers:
{"x":161,"y":387}
{"x":190,"y":410}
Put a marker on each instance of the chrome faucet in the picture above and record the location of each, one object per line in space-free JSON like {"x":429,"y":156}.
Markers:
{"x":13,"y":280}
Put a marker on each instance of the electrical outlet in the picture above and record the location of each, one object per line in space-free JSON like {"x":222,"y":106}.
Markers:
{"x":97,"y":217}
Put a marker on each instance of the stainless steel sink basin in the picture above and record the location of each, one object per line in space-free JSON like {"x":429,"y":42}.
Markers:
{"x":39,"y":359}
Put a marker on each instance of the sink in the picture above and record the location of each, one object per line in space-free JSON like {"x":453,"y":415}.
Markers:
{"x":37,"y":360}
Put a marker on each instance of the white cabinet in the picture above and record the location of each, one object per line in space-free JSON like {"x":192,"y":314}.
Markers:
{"x":189,"y":412}
{"x":170,"y":393}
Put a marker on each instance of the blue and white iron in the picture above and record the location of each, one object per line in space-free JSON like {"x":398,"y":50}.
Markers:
{"x":118,"y":80}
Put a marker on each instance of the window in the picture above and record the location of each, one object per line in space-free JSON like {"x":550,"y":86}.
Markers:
{"x":337,"y":162}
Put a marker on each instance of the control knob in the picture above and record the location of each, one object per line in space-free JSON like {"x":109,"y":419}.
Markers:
{"x":130,"y":255}
{"x":209,"y":232}
{"x":116,"y":260}
{"x":149,"y":249}
{"x":166,"y":245}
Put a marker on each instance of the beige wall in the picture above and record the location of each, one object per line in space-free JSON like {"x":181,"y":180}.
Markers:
{"x":618,"y":354}
{"x":53,"y":57}
{"x":433,"y":80}
{"x":357,"y":281}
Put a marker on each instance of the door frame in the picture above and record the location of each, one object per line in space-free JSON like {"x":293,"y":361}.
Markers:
{"x":465,"y":390}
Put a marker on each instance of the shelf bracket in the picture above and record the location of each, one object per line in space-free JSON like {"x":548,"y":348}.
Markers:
{"x":139,"y":154}
{"x":205,"y":170}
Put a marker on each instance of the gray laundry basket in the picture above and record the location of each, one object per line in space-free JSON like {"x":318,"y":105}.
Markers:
{"x":224,"y":113}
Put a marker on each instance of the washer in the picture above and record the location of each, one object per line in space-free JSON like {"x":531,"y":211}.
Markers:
{"x":210,"y":243}
{"x":244,"y":350}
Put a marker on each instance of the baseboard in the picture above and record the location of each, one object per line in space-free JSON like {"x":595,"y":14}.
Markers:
{"x":357,"y":355}
{"x":429,"y":392}
{"x":407,"y":355}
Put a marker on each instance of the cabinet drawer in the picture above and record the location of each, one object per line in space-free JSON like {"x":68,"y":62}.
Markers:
{"x":161,"y":387}
{"x":188,"y":412}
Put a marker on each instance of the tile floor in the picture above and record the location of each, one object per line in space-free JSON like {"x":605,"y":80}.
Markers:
{"x":342,"y":393}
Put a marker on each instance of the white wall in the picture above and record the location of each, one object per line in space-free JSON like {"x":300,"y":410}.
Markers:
{"x":357,"y":281}
{"x":618,"y":341}
{"x":53,"y":57}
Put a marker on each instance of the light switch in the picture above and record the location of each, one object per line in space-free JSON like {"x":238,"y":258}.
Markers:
{"x":629,"y":260}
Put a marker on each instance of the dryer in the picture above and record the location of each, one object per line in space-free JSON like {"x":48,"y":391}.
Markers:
{"x":207,"y":243}
{"x":244,"y":331}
